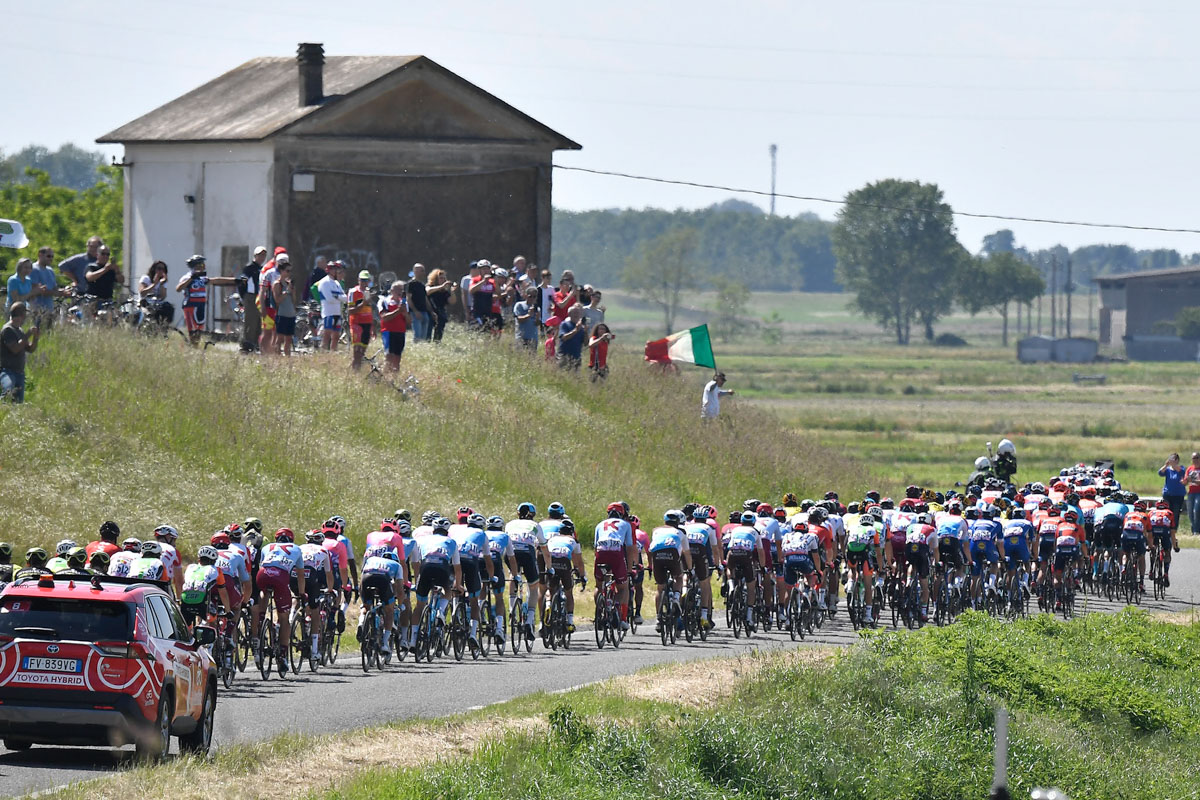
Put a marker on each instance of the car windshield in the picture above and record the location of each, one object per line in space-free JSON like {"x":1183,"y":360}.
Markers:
{"x":64,"y":619}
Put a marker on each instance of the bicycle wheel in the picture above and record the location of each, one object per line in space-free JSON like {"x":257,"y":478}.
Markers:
{"x":266,"y":652}
{"x":458,"y":629}
{"x":674,"y":617}
{"x":516,"y":619}
{"x":793,"y":617}
{"x":296,"y":644}
{"x":600,"y":621}
{"x":245,"y":641}
{"x":487,"y":627}
{"x":366,"y":649}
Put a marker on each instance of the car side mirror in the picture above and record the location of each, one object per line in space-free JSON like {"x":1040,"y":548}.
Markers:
{"x":203,"y":635}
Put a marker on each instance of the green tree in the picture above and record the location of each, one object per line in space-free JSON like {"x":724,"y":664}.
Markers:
{"x":70,"y":166}
{"x":1187,"y":323}
{"x":997,"y":281}
{"x":729,"y":306}
{"x":665,"y":269}
{"x":896,"y":250}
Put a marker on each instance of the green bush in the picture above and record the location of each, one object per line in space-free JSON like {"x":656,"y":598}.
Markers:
{"x":1187,"y":323}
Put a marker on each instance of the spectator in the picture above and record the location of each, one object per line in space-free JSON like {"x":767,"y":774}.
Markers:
{"x":268,"y":342}
{"x":1192,"y":479}
{"x":393,"y":322}
{"x":525,"y":313}
{"x":518,"y":268}
{"x":598,"y":351}
{"x":546,"y":297}
{"x":710,"y":406}
{"x":332,"y":296}
{"x":152,"y":294}
{"x":319,"y":271}
{"x":194,"y":286}
{"x":42,"y":304}
{"x":571,"y":337}
{"x":103,"y":276}
{"x":593,"y":312}
{"x":20,"y":285}
{"x":464,"y":287}
{"x":14,"y":344}
{"x":567,"y":294}
{"x":1173,"y":491}
{"x":440,"y":291}
{"x":359,"y":318}
{"x":77,"y":266}
{"x":285,"y":306}
{"x":483,"y":297}
{"x":418,"y":304}
{"x":247,"y":285}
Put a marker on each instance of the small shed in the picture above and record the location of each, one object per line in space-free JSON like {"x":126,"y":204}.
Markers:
{"x":1139,"y":308}
{"x":1072,"y":350}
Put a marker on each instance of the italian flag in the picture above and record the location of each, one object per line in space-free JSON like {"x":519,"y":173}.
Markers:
{"x":691,"y":346}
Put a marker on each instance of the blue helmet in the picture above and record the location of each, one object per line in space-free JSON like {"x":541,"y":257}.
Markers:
{"x":527,"y":510}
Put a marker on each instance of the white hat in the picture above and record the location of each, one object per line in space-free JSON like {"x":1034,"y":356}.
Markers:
{"x":282,"y":258}
{"x":259,"y":250}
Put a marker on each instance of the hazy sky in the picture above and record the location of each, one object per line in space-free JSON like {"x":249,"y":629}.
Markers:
{"x":1073,"y":109}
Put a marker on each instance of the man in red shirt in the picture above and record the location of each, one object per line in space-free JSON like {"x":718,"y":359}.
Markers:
{"x":1191,"y":479}
{"x":393,"y":322}
{"x":107,"y":543}
{"x":360,"y":318}
{"x":567,"y":294}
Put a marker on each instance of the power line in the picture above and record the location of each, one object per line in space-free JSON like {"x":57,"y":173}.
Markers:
{"x":831,"y":201}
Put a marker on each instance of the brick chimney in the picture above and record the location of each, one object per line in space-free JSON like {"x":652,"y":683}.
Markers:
{"x":310,"y":58}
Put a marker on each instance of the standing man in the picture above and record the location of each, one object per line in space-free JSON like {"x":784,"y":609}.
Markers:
{"x":359,"y":318}
{"x":42,"y":304}
{"x":1192,"y":480}
{"x":76,"y":266}
{"x":710,"y":404}
{"x":14,"y":344}
{"x":194,"y":286}
{"x":316,"y":276}
{"x":418,"y":305}
{"x":331,"y":294}
{"x":103,"y":276}
{"x":571,"y":336}
{"x":1174,"y":492}
{"x":247,"y":285}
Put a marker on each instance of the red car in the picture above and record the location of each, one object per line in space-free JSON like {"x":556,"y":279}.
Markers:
{"x":102,"y":661}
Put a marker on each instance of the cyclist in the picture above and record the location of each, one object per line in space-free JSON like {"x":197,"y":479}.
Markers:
{"x":35,"y":564}
{"x":801,"y":551}
{"x":97,"y":564}
{"x":167,"y":536}
{"x":59,"y":562}
{"x":1069,"y":547}
{"x":637,"y":576}
{"x":566,"y":561}
{"x":340,"y":558}
{"x":790,"y":504}
{"x":232,"y":563}
{"x":771,"y":533}
{"x":667,"y":549}
{"x":529,"y":547}
{"x":200,"y":580}
{"x":705,"y":548}
{"x":615,"y":549}
{"x":1162,"y":528}
{"x":149,"y":565}
{"x":1017,"y":534}
{"x":952,"y":537}
{"x":403,"y":606}
{"x":436,"y":559}
{"x":920,"y":543}
{"x":6,"y":565}
{"x":251,"y":525}
{"x":501,"y":547}
{"x":281,"y":559}
{"x":107,"y":541}
{"x":382,"y":575}
{"x":349,"y":576}
{"x":983,"y":532}
{"x":817,"y":518}
{"x":1133,"y":539}
{"x":76,"y":561}
{"x":318,"y":578}
{"x":119,"y":563}
{"x":1047,"y":530}
{"x":862,"y":545}
{"x":473,"y":554}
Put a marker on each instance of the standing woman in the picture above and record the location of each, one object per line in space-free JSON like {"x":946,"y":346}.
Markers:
{"x":598,"y":348}
{"x":285,"y":307}
{"x":1174,"y":492}
{"x":393,"y":322}
{"x":440,"y":291}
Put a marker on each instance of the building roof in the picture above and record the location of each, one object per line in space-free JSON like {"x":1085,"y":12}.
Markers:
{"x":1173,"y":272}
{"x":260,"y":99}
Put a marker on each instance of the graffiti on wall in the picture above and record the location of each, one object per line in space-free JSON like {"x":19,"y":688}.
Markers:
{"x":356,"y":259}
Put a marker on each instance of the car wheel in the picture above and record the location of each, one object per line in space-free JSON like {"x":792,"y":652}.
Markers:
{"x":153,"y":744}
{"x":199,"y":741}
{"x":17,"y":744}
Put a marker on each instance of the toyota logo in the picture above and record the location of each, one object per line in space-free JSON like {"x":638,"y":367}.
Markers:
{"x":52,"y":649}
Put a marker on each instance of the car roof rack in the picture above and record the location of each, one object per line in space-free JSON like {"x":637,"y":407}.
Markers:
{"x":95,"y":580}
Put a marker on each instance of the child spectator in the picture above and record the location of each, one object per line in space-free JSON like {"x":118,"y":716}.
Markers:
{"x":598,"y":348}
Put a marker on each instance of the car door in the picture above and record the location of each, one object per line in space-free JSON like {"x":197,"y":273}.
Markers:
{"x":192,"y":659}
{"x":179,"y":659}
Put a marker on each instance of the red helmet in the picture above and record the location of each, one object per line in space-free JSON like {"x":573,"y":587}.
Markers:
{"x":285,"y":535}
{"x":617,"y":509}
{"x":1140,"y":505}
{"x":1044,"y":503}
{"x":764,"y":510}
{"x":220,"y":539}
{"x":1070,"y":516}
{"x":780,"y":514}
{"x":634,"y":521}
{"x":463,"y":513}
{"x":800,"y":527}
{"x":1162,"y":504}
{"x":389,"y":526}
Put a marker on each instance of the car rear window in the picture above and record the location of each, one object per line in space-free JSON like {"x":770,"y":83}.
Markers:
{"x":65,"y":620}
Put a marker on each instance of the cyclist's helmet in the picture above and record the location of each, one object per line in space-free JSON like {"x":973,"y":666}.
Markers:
{"x":887,"y":504}
{"x":806,"y":504}
{"x":818,"y":515}
{"x":207,"y":553}
{"x":404,"y":528}
{"x":1073,"y":499}
{"x":700,"y":514}
{"x":1088,"y":492}
{"x":388,"y":525}
{"x":852,"y":508}
{"x":109,"y":531}
{"x":673,"y":517}
{"x":526,"y":511}
{"x":975,"y":491}
{"x":441,"y":525}
{"x":36,"y":557}
{"x":404,"y":514}
{"x":476,"y":520}
{"x":751,"y":504}
{"x":329,"y":528}
{"x":634,"y":521}
{"x":1038,"y":488}
{"x":77,"y":558}
{"x":764,"y":510}
{"x":921,"y":507}
{"x":1070,"y":516}
{"x":151,"y":549}
{"x":166,"y":532}
{"x":780,"y":514}
{"x":831,"y":495}
{"x":868,"y":520}
{"x":220,"y":539}
{"x":567,"y":528}
{"x":800,"y":527}
{"x":735,"y":517}
{"x":495,"y":523}
{"x":99,"y":561}
{"x":464,"y":512}
{"x":1016,"y":512}
{"x":873,"y":496}
{"x":132,"y":545}
{"x":912,"y":491}
{"x":64,"y":547}
{"x":340,"y":522}
{"x":925,"y":519}
{"x":1140,"y":505}
{"x":971,"y":513}
{"x":428,"y":517}
{"x":1054,"y":511}
{"x":5,"y":552}
{"x":789,"y":499}
{"x":556,"y":510}
{"x":314,"y":536}
{"x":1044,"y":503}
{"x":748,"y":518}
{"x":1108,"y":473}
{"x":285,"y":535}
{"x":196,"y":262}
{"x":253,"y":524}
{"x":688,"y":509}
{"x":1160,"y":504}
{"x":616,"y":510}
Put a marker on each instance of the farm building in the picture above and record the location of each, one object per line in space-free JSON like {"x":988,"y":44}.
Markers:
{"x":1139,"y":308}
{"x":381,"y":161}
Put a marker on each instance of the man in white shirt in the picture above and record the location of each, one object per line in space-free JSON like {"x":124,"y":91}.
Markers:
{"x":333,"y":297}
{"x":710,"y":405}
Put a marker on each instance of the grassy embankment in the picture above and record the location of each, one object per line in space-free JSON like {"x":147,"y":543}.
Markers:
{"x":923,"y":414}
{"x":1104,"y":706}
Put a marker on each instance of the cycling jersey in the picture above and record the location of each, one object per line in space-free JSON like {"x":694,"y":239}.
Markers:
{"x":149,"y":568}
{"x":472,"y":542}
{"x":1017,"y":534}
{"x":1161,"y":520}
{"x":742,"y":539}
{"x":198,"y":581}
{"x":338,"y":555}
{"x":232,"y":563}
{"x":243,"y":549}
{"x":860,"y":539}
{"x":550,"y":527}
{"x":381,"y":565}
{"x":389,"y":538}
{"x":439,"y":549}
{"x":825,"y":537}
{"x":170,"y":559}
{"x":951,"y":527}
{"x":1118,"y":510}
{"x":1048,"y":529}
{"x":525,"y":534}
{"x":119,"y":565}
{"x":284,"y":556}
{"x":614,"y":535}
{"x":316,"y":560}
{"x":667,"y":538}
{"x":1069,"y":535}
{"x":422,"y":531}
{"x":500,"y":545}
{"x":700,"y":536}
{"x":1135,"y":525}
{"x":562,"y":548}
{"x":798,"y":543}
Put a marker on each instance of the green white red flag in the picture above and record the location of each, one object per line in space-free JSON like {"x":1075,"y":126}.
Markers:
{"x":692,"y":346}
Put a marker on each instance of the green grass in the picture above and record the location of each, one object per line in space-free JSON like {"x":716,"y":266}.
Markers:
{"x":1102,"y":707}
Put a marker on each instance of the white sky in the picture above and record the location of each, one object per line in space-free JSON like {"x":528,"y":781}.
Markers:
{"x":1074,"y":109}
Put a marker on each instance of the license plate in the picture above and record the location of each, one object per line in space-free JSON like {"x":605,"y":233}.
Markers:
{"x":36,"y":664}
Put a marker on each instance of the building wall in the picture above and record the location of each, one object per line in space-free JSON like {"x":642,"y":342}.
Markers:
{"x":229,"y":190}
{"x":1151,"y":300}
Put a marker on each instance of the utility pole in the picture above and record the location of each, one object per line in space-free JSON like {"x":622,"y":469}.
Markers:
{"x":1054,"y":297}
{"x":1040,"y":315}
{"x":1070,"y":289}
{"x":773,"y":149}
{"x":1091,"y":297}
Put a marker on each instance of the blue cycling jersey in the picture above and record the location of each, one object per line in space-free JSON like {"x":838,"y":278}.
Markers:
{"x":437,"y":548}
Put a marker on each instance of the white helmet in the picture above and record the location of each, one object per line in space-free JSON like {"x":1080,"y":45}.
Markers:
{"x":166,"y":531}
{"x":1006,"y":446}
{"x":151,"y":548}
{"x":65,"y":546}
{"x":982,"y":463}
{"x":207,"y":552}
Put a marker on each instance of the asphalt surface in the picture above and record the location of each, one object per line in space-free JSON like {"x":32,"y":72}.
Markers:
{"x":343,"y":698}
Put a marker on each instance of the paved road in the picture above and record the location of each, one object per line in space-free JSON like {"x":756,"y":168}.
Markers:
{"x":343,"y":698}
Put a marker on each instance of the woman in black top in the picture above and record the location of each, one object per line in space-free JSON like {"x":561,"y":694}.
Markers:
{"x":440,"y":290}
{"x":418,"y":306}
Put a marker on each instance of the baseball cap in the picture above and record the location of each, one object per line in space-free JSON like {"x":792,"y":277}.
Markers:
{"x":259,"y":249}
{"x":364,"y":275}
{"x":282,"y":258}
